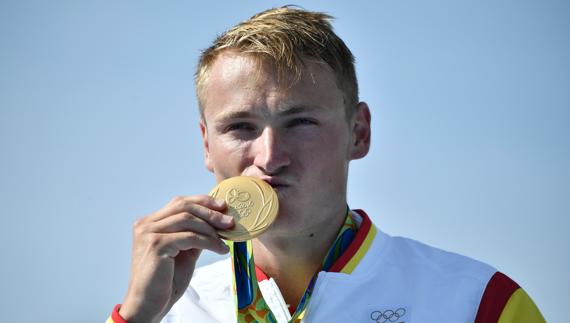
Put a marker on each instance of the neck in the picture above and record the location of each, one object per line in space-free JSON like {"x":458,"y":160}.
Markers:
{"x":291,"y":262}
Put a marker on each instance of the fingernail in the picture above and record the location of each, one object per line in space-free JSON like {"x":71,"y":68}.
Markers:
{"x":220,"y":203}
{"x":227,"y":219}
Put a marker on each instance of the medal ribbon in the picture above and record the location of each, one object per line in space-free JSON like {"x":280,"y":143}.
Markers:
{"x":251,"y":307}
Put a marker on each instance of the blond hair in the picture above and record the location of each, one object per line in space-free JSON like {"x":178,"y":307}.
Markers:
{"x":285,"y":37}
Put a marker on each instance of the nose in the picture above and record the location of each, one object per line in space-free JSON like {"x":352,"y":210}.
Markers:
{"x":271,"y":154}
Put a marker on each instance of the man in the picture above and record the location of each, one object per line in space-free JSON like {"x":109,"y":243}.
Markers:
{"x":278,"y":100}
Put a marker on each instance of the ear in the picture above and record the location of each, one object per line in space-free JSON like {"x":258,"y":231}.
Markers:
{"x":207,"y":160}
{"x":360,"y":131}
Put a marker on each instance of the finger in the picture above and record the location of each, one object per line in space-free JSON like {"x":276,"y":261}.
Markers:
{"x":183,"y":222}
{"x":204,"y":200}
{"x":180,"y":204}
{"x":213,"y":217}
{"x":171,"y":244}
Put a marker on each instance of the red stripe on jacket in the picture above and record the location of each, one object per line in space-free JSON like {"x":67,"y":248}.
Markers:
{"x":353,"y":247}
{"x":499,"y":290}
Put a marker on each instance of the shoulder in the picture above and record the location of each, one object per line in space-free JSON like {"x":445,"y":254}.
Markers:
{"x":403,"y":251}
{"x":460,"y":280}
{"x":419,"y":259}
{"x":426,"y":270}
{"x":505,"y":301}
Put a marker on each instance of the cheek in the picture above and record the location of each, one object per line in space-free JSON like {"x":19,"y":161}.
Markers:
{"x":227,"y":146}
{"x":325,"y":154}
{"x":229,"y":155}
{"x":331,"y":142}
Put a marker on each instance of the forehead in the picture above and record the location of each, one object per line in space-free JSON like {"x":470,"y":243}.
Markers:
{"x":240,"y":81}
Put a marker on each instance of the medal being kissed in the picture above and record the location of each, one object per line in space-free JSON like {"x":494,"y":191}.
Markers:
{"x":253,"y":204}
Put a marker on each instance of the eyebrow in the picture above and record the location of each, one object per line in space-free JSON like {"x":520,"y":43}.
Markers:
{"x":298,"y":109}
{"x":243,"y":114}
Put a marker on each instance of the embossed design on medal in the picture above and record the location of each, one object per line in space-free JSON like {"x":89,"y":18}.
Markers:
{"x":240,"y":201}
{"x":253,"y":204}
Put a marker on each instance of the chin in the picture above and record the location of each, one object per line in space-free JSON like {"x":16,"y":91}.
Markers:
{"x":288,"y":222}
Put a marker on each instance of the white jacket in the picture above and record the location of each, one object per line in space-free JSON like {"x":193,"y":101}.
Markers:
{"x":396,"y":280}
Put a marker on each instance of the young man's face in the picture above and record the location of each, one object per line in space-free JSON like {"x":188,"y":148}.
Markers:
{"x":298,"y":139}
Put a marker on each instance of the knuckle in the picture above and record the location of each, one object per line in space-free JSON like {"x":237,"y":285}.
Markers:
{"x":138,"y":226}
{"x":177,"y":199}
{"x":137,"y":223}
{"x":187,"y":216}
{"x":219,"y":217}
{"x":203,"y":198}
{"x":182,"y":204}
{"x":209,"y":228}
{"x":212,"y":214}
{"x":191,"y":238}
{"x":212,"y":232}
{"x":155,"y":240}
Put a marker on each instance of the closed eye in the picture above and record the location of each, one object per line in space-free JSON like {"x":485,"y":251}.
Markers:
{"x":301,"y":122}
{"x":240,"y":126}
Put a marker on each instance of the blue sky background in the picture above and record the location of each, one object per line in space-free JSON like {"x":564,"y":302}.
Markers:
{"x":98,"y":126}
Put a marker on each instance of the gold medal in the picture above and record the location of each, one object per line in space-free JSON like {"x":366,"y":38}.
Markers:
{"x":252,"y":202}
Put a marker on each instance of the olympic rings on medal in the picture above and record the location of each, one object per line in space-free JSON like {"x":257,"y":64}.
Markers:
{"x":236,"y":196}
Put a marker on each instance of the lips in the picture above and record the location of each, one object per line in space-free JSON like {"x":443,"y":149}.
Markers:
{"x":275,"y":182}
